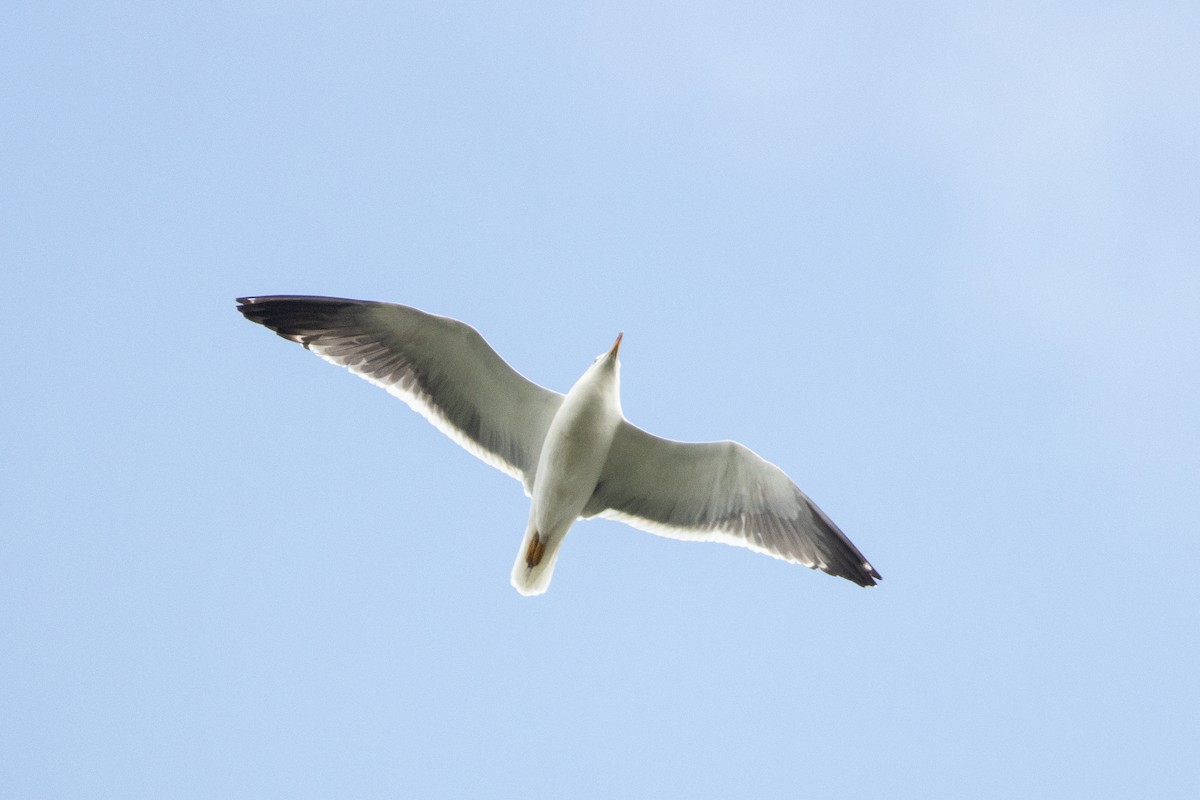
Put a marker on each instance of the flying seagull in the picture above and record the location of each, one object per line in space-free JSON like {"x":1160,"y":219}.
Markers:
{"x":576,"y":455}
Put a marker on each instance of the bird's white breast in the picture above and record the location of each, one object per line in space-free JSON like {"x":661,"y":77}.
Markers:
{"x":574,"y":452}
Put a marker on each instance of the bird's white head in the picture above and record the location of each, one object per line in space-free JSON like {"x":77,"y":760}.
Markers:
{"x":609,"y":362}
{"x":606,"y":368}
{"x":612,"y":354}
{"x":608,"y":359}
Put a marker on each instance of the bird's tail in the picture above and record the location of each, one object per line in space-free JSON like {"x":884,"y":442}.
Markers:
{"x":534,"y":566}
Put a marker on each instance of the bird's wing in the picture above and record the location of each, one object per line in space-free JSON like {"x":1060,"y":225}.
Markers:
{"x":722,"y":492}
{"x":440,"y":367}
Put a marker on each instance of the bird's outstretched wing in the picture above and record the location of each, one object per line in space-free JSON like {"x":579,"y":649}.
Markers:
{"x":722,"y":492}
{"x":440,"y":367}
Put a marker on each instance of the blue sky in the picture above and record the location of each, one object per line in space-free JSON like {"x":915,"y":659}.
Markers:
{"x":938,"y":262}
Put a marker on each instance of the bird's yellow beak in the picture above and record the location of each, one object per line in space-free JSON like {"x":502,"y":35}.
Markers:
{"x":616,"y":345}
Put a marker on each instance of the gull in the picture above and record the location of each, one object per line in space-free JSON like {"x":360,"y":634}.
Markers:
{"x":575,"y":455}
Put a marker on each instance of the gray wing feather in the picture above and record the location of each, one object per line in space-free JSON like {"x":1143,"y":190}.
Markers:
{"x":720,"y":491}
{"x":440,"y":367}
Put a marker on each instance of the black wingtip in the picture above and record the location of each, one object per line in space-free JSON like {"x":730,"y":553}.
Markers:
{"x":870,"y":577}
{"x":864,"y":575}
{"x":842,"y":558}
{"x":297,"y":318}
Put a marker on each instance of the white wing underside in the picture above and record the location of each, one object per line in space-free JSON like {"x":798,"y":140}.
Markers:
{"x":719,"y":492}
{"x":440,"y":367}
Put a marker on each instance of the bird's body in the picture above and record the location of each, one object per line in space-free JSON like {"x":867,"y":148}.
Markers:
{"x":576,"y":455}
{"x":573,"y":455}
